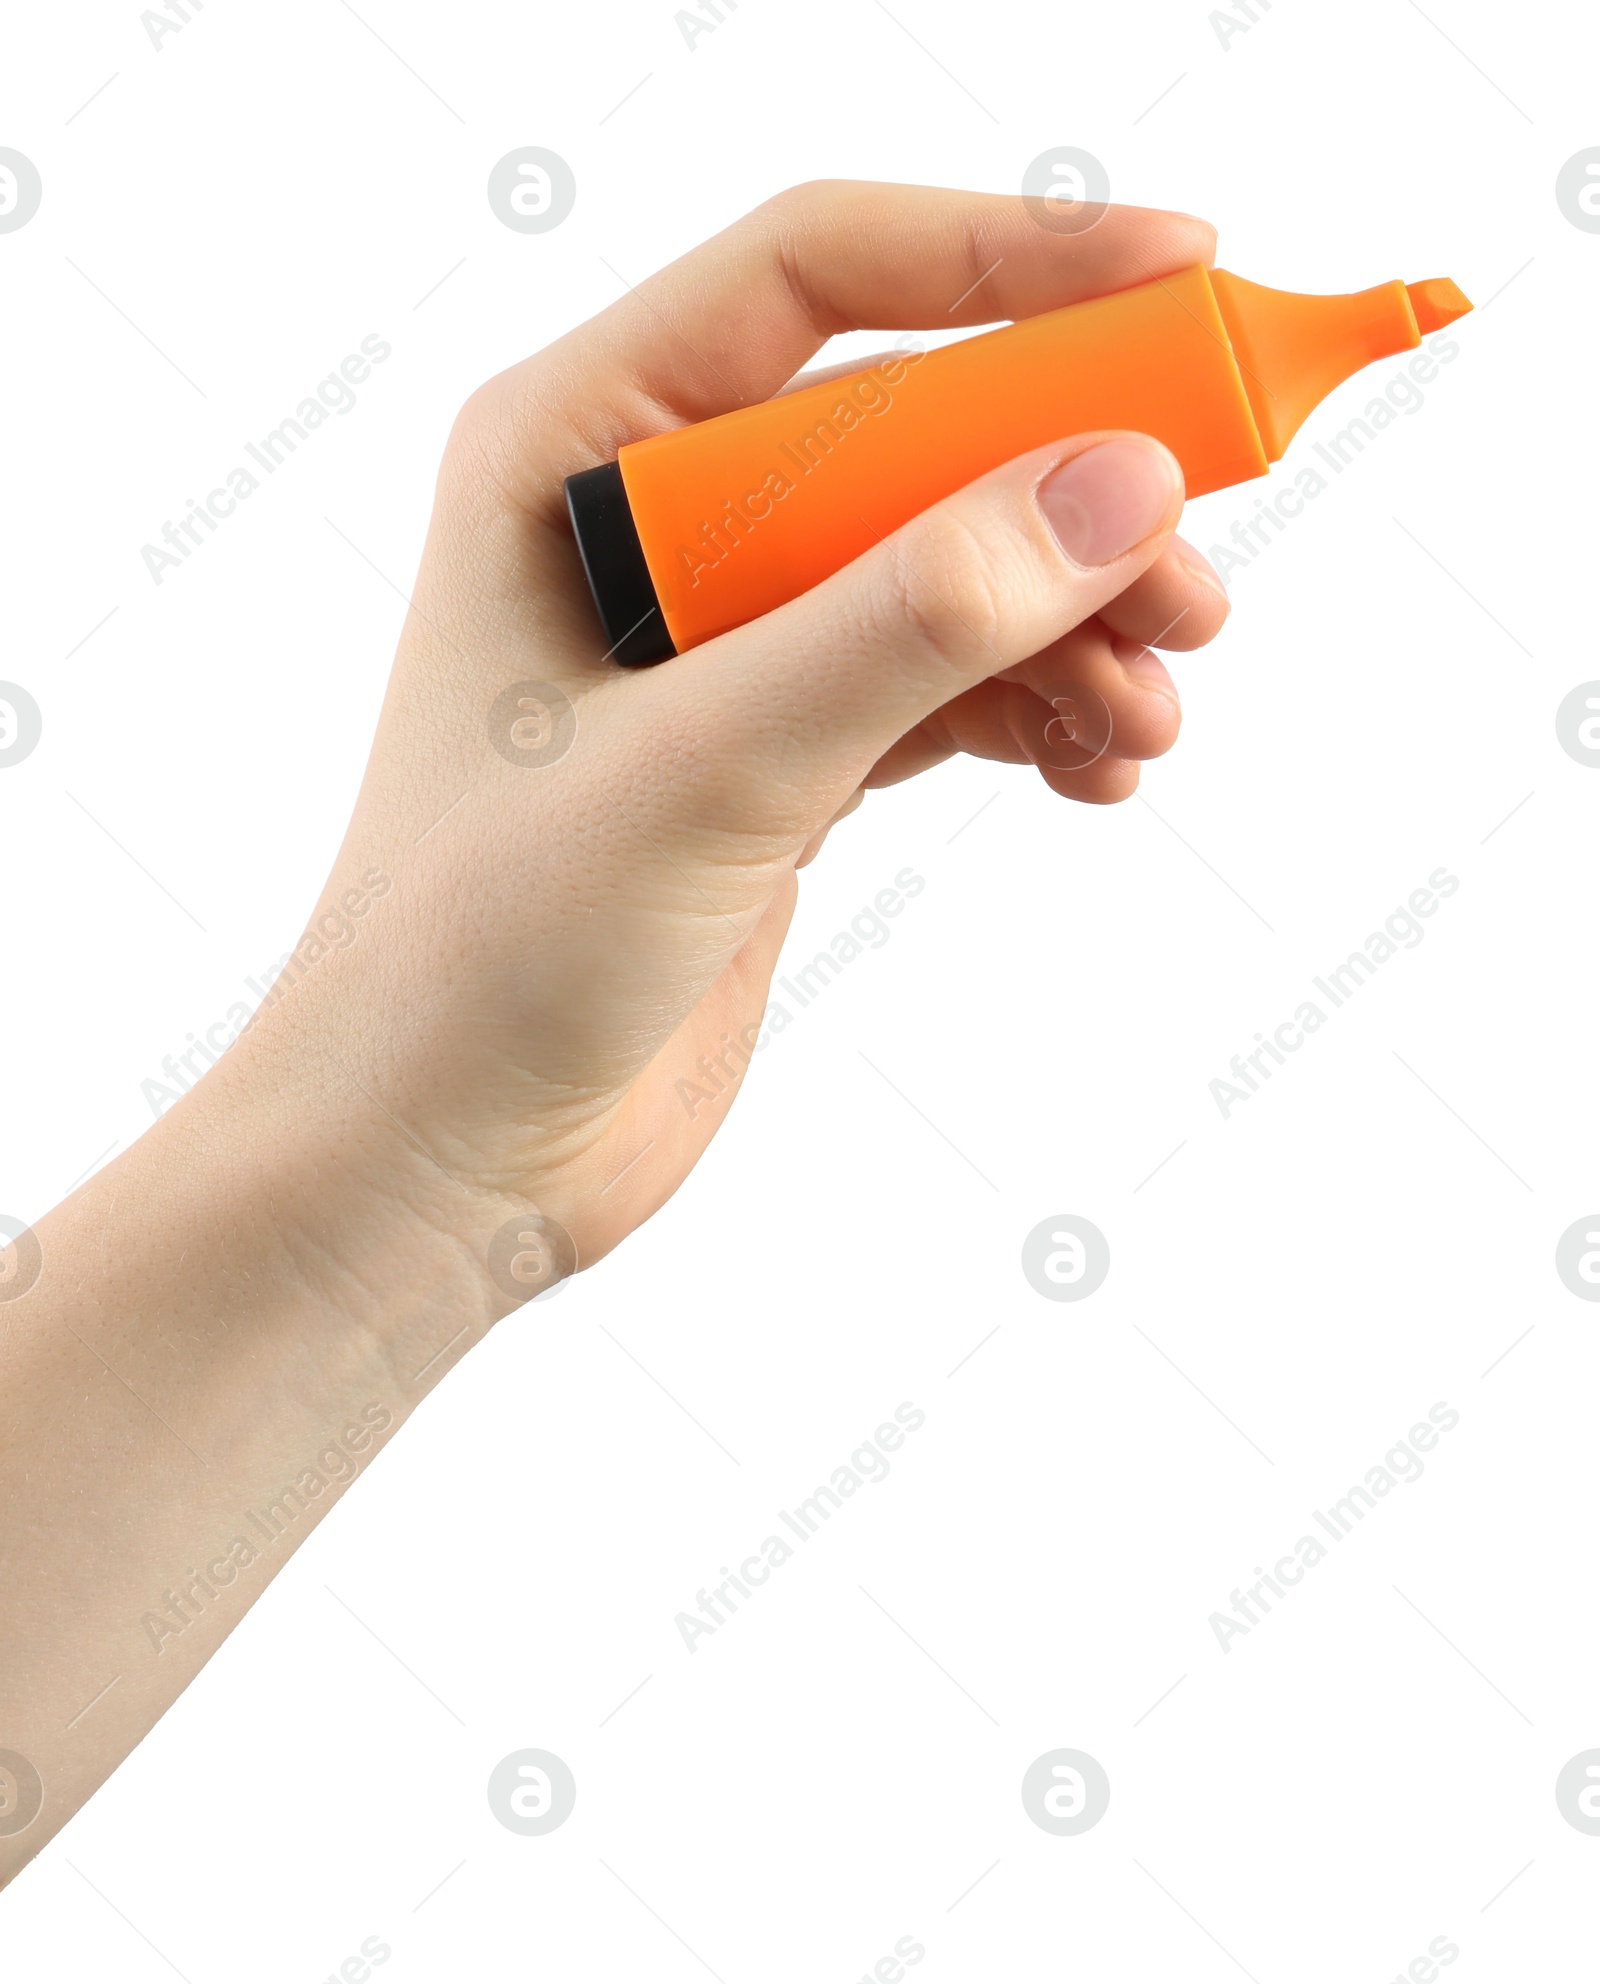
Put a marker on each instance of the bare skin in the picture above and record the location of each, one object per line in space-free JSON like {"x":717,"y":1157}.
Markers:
{"x":257,"y":1294}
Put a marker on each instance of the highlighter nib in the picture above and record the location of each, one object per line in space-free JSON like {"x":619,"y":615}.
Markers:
{"x":1435,"y":303}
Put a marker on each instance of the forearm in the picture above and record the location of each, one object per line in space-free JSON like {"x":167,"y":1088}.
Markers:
{"x":229,"y":1324}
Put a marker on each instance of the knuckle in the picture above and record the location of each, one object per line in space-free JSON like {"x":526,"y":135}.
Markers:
{"x":803,"y":198}
{"x":477,"y":433}
{"x":501,"y":425}
{"x":946,"y":589}
{"x":477,"y":411}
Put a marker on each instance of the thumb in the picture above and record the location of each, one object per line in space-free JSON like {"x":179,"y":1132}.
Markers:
{"x":974,"y":585}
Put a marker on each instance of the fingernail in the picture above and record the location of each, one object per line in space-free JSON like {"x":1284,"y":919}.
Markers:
{"x":1103,"y":503}
{"x":1202,"y":567}
{"x":1144,"y":667}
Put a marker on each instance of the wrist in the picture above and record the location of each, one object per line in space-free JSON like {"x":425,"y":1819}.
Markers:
{"x":396,"y":1232}
{"x":277,"y":1202}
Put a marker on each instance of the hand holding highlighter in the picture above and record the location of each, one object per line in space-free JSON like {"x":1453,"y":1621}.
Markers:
{"x":697,"y":531}
{"x":552,"y":1011}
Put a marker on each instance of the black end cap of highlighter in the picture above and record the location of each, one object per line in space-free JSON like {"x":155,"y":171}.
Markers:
{"x":613,"y":558}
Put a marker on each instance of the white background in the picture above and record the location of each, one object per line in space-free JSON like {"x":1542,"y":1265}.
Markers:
{"x":1292,"y":1289}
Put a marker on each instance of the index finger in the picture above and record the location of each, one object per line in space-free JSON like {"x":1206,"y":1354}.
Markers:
{"x":731,"y":321}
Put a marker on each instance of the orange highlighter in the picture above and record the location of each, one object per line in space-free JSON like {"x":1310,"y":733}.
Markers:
{"x":690,"y":533}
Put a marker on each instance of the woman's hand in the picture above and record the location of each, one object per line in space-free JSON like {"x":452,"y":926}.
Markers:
{"x":566,"y":939}
{"x":564,"y":885}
